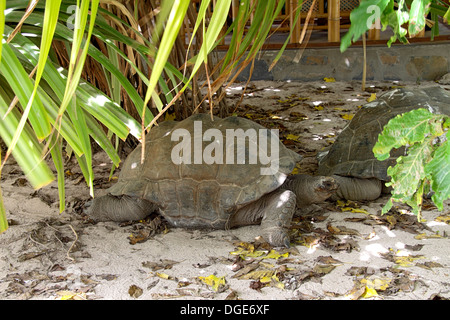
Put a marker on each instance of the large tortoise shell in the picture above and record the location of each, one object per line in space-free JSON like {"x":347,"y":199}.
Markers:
{"x":198,"y":194}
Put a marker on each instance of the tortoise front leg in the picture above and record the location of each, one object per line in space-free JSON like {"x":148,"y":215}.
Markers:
{"x":358,"y":189}
{"x":274,"y":211}
{"x":119,"y":208}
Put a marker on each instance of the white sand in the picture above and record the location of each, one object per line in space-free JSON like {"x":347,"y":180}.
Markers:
{"x":47,"y":255}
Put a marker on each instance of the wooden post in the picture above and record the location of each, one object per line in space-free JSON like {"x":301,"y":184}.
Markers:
{"x":374,"y":34}
{"x":295,"y":31}
{"x":334,"y":21}
{"x":234,"y":8}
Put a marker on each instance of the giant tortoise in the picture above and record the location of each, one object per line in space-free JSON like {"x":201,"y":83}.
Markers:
{"x":351,"y":161}
{"x":196,"y":192}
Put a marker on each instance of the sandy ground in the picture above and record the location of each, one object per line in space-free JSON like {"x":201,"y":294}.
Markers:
{"x":341,"y":251}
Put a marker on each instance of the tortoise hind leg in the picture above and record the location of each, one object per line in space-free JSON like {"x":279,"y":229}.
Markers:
{"x":119,"y":208}
{"x":274,"y":211}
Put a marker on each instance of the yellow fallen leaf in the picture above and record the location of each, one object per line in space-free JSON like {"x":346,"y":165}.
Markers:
{"x":406,"y":261}
{"x":295,"y":171}
{"x":246,"y":245}
{"x":369,"y":293}
{"x":265,"y":279}
{"x":377,"y":284}
{"x":372,"y":97}
{"x":329,"y":79}
{"x":354,"y":210}
{"x":359,"y":210}
{"x":445,"y":219}
{"x":257,"y":275}
{"x":213,"y":281}
{"x":319,"y":108}
{"x":391,"y":219}
{"x":291,"y":136}
{"x":266,"y":265}
{"x":340,"y":203}
{"x":169,"y":116}
{"x":423,"y":236}
{"x":70,"y":295}
{"x":273,"y":254}
{"x":346,"y":116}
{"x":163,"y":275}
{"x":247,"y":253}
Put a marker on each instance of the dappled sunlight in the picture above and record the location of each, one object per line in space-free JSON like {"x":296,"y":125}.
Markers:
{"x":435,"y":223}
{"x":233,"y":90}
{"x":27,"y":48}
{"x":372,"y":250}
{"x":99,"y":100}
{"x":316,"y":137}
{"x":272,"y":89}
{"x":347,"y":62}
{"x":388,"y":232}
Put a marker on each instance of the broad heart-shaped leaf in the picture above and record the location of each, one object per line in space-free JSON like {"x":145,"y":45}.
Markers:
{"x":438,"y":171}
{"x":407,"y":129}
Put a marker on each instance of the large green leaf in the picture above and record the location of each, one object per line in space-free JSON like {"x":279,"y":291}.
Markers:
{"x":407,"y":129}
{"x":427,"y":160}
{"x":408,"y":173}
{"x":28,"y":152}
{"x":173,"y":25}
{"x":419,"y":9}
{"x":362,"y":18}
{"x":438,"y":171}
{"x":2,"y":26}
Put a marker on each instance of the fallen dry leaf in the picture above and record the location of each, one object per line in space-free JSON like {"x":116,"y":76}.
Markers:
{"x":407,"y":261}
{"x":217,"y":284}
{"x":162,"y":264}
{"x":292,"y":137}
{"x":346,"y":116}
{"x":423,"y":236}
{"x":372,"y":97}
{"x":134,"y":291}
{"x":258,"y":274}
{"x":70,"y":295}
{"x":323,"y":269}
{"x":429,"y":265}
{"x":328,"y":260}
{"x":443,"y":218}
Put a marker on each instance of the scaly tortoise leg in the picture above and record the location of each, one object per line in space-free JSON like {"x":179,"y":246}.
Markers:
{"x":274,"y":211}
{"x":119,"y":208}
{"x":358,"y":189}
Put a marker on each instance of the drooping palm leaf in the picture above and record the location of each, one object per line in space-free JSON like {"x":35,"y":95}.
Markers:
{"x":134,"y":66}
